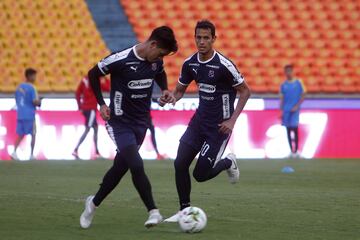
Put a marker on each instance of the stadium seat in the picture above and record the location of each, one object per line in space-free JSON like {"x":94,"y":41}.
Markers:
{"x":47,"y":35}
{"x":321,"y":38}
{"x":308,"y":33}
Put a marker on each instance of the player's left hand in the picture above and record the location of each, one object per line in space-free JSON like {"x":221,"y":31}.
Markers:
{"x":227,"y":126}
{"x":167,"y":97}
{"x":105,"y":112}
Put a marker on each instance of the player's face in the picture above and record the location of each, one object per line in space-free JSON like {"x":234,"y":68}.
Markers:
{"x":288,"y":73}
{"x":204,"y":40}
{"x":155,"y":53}
{"x":31,"y":78}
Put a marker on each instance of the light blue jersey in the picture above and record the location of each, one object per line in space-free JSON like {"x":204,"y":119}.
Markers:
{"x":291,"y":92}
{"x":25,"y":94}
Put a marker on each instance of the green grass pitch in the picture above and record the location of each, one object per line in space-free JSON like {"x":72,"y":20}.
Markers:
{"x":321,"y":200}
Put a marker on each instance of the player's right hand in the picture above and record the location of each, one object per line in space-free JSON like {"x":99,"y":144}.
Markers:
{"x":105,"y":112}
{"x":167,"y":97}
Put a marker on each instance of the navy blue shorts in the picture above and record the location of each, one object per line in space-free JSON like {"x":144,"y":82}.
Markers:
{"x":124,"y":135}
{"x":24,"y":127}
{"x":207,"y":140}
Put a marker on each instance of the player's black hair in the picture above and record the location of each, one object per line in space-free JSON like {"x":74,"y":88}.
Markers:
{"x":287,"y":66}
{"x":206,"y":24}
{"x":29,"y":72}
{"x":165,"y":38}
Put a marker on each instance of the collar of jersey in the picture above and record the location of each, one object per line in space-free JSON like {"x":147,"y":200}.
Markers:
{"x":136,"y":55}
{"x":206,"y":60}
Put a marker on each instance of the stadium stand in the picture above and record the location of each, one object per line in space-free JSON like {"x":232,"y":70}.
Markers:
{"x":61,"y":40}
{"x":58,"y":38}
{"x":321,"y":38}
{"x":112,"y":23}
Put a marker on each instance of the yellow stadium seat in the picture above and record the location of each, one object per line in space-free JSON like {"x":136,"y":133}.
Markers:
{"x":45,"y":35}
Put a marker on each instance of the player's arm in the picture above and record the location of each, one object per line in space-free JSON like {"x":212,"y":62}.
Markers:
{"x":281,"y":102}
{"x":298,"y":104}
{"x":37,"y":102}
{"x":94,"y":78}
{"x":184,"y":81}
{"x":78,"y":94}
{"x":167,"y":96}
{"x":179,"y":91}
{"x":35,"y":98}
{"x":244,"y":93}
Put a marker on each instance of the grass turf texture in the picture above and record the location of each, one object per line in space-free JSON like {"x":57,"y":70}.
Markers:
{"x":44,"y":199}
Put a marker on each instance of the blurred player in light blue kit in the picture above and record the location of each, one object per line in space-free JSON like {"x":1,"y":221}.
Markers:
{"x":26,"y":102}
{"x":292,"y":93}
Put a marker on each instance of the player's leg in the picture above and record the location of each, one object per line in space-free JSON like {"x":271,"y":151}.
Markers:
{"x":110,"y":181}
{"x":87,"y":115}
{"x":185,"y":155}
{"x":33,"y":140}
{"x":111,"y":178}
{"x":142,"y":184}
{"x":20,"y":131}
{"x":96,"y":130}
{"x":210,"y":164}
{"x":18,"y":140}
{"x":190,"y":145}
{"x":288,"y":132}
{"x":294,"y":123}
{"x":296,"y":139}
{"x":139,"y":177}
{"x":82,"y":138}
{"x":153,"y":139}
{"x":286,"y":121}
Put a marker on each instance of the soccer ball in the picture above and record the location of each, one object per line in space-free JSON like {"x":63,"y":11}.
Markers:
{"x":192,"y":220}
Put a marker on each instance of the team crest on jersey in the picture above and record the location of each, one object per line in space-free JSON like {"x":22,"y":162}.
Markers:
{"x":211,"y":73}
{"x":154,"y":66}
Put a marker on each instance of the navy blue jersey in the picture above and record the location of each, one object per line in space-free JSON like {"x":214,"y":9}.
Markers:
{"x":132,"y":80}
{"x":216,"y":79}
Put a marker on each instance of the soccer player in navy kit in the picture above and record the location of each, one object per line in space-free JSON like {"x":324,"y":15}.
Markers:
{"x":210,"y":128}
{"x":132,"y":73}
{"x":292,"y":93}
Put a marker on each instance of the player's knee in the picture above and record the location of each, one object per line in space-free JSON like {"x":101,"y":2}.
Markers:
{"x":200,"y":176}
{"x":137,"y":170}
{"x":179,"y":165}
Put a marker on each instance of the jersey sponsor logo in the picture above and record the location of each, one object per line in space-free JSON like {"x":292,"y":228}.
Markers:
{"x":211,"y":73}
{"x":207,"y":98}
{"x":118,"y":103}
{"x":206,"y":88}
{"x":136,"y":96}
{"x":140,"y":84}
{"x":212,"y":66}
{"x":134,"y":68}
{"x":195,"y":70}
{"x":226,"y":106}
{"x":194,"y":64}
